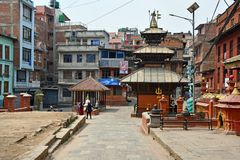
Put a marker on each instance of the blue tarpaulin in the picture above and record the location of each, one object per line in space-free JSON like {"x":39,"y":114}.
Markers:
{"x":109,"y":81}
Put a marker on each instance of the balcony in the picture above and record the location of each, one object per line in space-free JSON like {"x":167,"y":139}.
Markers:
{"x":77,"y":66}
{"x":91,"y":34}
{"x":111,"y":63}
{"x":75,"y":47}
{"x":68,"y":81}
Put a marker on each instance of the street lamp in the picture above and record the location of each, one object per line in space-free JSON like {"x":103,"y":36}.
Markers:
{"x":192,"y":10}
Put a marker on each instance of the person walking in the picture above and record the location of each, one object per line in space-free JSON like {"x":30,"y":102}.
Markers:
{"x":89,"y":110}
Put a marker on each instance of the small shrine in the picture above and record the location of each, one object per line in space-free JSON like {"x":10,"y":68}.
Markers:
{"x":228,"y":111}
{"x":154,"y":82}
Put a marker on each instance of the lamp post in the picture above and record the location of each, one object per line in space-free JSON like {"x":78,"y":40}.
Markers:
{"x":192,"y":10}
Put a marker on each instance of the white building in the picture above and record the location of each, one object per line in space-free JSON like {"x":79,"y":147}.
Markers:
{"x":78,"y":58}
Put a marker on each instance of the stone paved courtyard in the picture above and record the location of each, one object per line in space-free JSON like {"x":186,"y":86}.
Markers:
{"x":111,"y":135}
{"x":200,"y":143}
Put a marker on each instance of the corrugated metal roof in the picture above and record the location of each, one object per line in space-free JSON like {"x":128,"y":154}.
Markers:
{"x":88,"y":84}
{"x":154,"y":50}
{"x":153,"y":75}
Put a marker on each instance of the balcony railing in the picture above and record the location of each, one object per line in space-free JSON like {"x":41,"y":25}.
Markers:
{"x":68,"y":81}
{"x":112,"y":63}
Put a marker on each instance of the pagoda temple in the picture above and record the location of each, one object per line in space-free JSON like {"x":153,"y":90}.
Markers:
{"x":154,"y":81}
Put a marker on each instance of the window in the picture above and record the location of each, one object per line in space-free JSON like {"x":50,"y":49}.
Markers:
{"x":67,"y":58}
{"x":7,"y":52}
{"x":95,"y":42}
{"x":67,"y":74}
{"x":219,"y":53}
{"x":6,"y":86}
{"x":27,"y":13}
{"x":106,"y":73}
{"x":224,"y":75}
{"x":120,"y":54}
{"x":73,"y":37}
{"x":112,"y":54}
{"x":116,"y":73}
{"x":6,"y":71}
{"x":104,"y":54}
{"x":84,"y":41}
{"x":218,"y":75}
{"x":117,"y":91}
{"x":91,"y":58}
{"x":224,"y":51}
{"x":26,"y":55}
{"x":231,"y":48}
{"x":21,"y":76}
{"x":238,"y":45}
{"x":1,"y":51}
{"x":27,"y":34}
{"x":78,"y":75}
{"x":79,"y":58}
{"x":90,"y":72}
{"x":66,"y":93}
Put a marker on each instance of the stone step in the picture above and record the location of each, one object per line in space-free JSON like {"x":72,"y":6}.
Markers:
{"x":49,"y":141}
{"x":38,"y":153}
{"x":63,"y":134}
{"x":54,"y":146}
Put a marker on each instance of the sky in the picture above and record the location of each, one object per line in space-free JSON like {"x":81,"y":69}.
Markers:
{"x":113,"y":14}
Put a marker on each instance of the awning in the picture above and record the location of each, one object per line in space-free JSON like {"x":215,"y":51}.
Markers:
{"x":153,"y":75}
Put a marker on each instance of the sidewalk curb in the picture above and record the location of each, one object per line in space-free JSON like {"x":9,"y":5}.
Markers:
{"x":170,"y":150}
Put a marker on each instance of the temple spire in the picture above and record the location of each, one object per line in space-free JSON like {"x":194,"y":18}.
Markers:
{"x":153,"y":23}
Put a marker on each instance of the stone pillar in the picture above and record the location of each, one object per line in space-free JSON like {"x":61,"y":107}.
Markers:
{"x":11,"y":102}
{"x":203,"y":86}
{"x":163,"y":104}
{"x":5,"y":102}
{"x":179,"y":104}
{"x":26,"y":100}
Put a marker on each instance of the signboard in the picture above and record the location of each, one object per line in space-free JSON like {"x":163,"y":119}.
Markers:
{"x":109,"y":81}
{"x":123,"y":67}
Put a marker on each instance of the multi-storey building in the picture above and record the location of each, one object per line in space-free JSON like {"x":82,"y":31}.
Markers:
{"x":6,"y":65}
{"x":17,"y":20}
{"x":205,"y":33}
{"x":113,"y":67}
{"x":126,"y":38}
{"x":227,"y":47}
{"x":78,"y":58}
{"x":44,"y":23}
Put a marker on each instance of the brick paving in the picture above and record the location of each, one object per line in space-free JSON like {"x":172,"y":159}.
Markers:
{"x":112,"y":135}
{"x":199,"y":143}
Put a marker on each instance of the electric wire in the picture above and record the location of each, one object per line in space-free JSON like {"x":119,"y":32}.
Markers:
{"x":82,"y":4}
{"x":226,"y":3}
{"x":233,"y":11}
{"x":96,"y":19}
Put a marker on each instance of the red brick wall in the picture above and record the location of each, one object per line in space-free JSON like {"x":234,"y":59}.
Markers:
{"x":10,"y":12}
{"x":147,"y":101}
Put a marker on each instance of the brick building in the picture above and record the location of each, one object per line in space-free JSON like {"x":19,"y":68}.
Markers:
{"x":206,"y":32}
{"x":227,"y":47}
{"x":17,"y":20}
{"x":111,"y":71}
